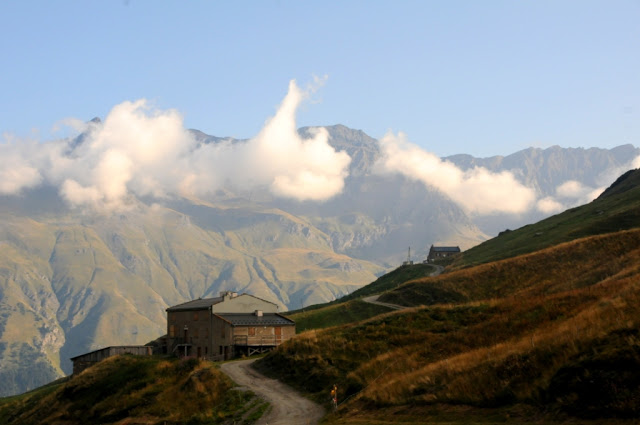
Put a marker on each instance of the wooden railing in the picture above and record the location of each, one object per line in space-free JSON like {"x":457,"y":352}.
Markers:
{"x":261,"y":340}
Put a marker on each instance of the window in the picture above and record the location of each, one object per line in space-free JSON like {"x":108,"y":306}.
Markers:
{"x":252,"y":331}
{"x":195,"y":333}
{"x":205,"y":332}
{"x":195,"y":315}
{"x":172,"y":331}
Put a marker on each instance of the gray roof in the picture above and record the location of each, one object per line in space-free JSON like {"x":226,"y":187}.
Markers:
{"x":199,"y":304}
{"x":250,"y":319}
{"x":446,"y":248}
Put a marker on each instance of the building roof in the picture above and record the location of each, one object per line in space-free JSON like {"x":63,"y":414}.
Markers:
{"x":199,"y":304}
{"x":250,"y":319}
{"x":446,"y":248}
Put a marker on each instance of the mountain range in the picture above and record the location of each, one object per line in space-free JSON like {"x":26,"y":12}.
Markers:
{"x":73,"y":279}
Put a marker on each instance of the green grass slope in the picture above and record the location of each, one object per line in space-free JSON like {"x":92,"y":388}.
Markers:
{"x":351,"y":308}
{"x":547,"y":337}
{"x":133,"y":389}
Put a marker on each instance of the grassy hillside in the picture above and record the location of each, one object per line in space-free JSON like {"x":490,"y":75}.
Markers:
{"x":351,"y":308}
{"x":565,"y":267}
{"x":140,"y":390}
{"x":618,"y":208}
{"x":547,"y":337}
{"x":335,"y":315}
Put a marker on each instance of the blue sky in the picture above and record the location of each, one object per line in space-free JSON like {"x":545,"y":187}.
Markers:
{"x":483,"y":78}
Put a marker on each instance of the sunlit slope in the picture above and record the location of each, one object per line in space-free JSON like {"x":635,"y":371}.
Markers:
{"x":131,"y":389}
{"x":618,"y":208}
{"x":552,"y":334}
{"x":75,"y":283}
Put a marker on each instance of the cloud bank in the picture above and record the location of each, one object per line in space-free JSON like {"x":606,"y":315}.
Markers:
{"x":569,"y":194}
{"x":573,"y":193}
{"x":480,"y":191}
{"x":477,"y":191}
{"x":139,"y":150}
{"x":142,"y":151}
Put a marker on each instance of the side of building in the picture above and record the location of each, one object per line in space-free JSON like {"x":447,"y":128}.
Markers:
{"x":250,"y":333}
{"x":83,"y":361}
{"x":208,"y":327}
{"x":437,"y":252}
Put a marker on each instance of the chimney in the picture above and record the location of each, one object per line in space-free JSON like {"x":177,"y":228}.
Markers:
{"x":227,"y":295}
{"x":259,"y":313}
{"x":224,"y":295}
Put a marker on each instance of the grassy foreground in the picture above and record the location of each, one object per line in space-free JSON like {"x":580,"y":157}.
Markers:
{"x":136,"y":390}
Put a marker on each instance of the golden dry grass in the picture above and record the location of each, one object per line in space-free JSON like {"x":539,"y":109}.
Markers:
{"x":523,"y":331}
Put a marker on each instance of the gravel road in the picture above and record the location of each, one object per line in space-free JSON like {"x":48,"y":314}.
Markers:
{"x":287,"y":406}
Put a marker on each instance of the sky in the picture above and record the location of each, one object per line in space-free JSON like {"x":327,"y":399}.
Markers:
{"x":482,"y":78}
{"x":427,"y":79}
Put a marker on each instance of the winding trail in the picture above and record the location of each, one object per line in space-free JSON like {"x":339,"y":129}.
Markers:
{"x":287,"y":406}
{"x":373,"y":299}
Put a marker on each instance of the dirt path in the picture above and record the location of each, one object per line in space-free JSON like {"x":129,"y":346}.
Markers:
{"x":287,"y":406}
{"x":374,"y":298}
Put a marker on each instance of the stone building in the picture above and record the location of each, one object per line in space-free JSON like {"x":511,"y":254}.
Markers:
{"x":438,"y":252}
{"x":225,"y":326}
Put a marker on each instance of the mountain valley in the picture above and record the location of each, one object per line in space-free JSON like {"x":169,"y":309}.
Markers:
{"x":75,"y":279}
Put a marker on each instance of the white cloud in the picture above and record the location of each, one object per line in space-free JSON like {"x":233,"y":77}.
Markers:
{"x":573,"y":193}
{"x":139,"y":150}
{"x":549,"y":205}
{"x":573,"y":189}
{"x":17,"y":172}
{"x":477,"y":190}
